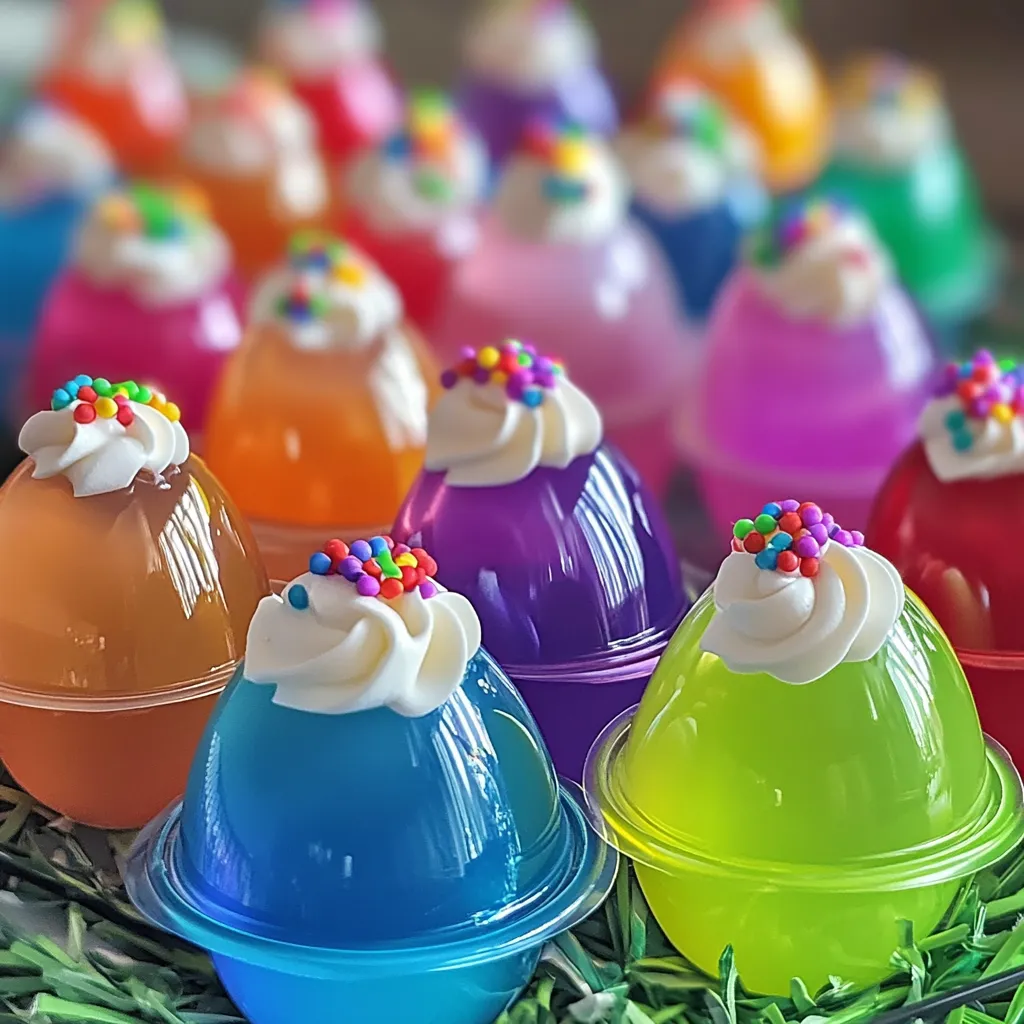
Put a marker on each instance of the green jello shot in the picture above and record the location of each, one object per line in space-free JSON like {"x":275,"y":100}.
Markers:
{"x":801,"y":823}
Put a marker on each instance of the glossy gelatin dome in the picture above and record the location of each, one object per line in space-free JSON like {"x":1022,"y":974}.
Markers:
{"x":168,"y":578}
{"x":563,"y":551}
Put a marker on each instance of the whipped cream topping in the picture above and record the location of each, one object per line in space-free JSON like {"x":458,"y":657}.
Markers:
{"x":973,"y":428}
{"x":157,"y":245}
{"x":727,"y":35}
{"x":341,"y":641}
{"x":529,"y":45}
{"x":328,"y":295}
{"x":312,"y":39}
{"x":797,"y":616}
{"x":563,"y":187}
{"x":100,"y":439}
{"x":51,"y":152}
{"x":889,"y":114}
{"x":430,"y":173}
{"x":821,"y":262}
{"x":688,"y":153}
{"x":504,"y":413}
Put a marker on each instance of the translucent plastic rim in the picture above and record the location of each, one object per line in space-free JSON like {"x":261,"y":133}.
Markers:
{"x":156,"y":889}
{"x":1000,"y":661}
{"x":212,"y":683}
{"x":997,"y":825}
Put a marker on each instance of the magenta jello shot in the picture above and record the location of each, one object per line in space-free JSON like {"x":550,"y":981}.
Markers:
{"x":149,"y":292}
{"x":561,"y":264}
{"x":551,"y":534}
{"x":817,"y":368}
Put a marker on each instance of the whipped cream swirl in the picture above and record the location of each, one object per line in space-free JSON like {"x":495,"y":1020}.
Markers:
{"x":796,"y":628}
{"x":529,"y":46}
{"x":973,"y":429}
{"x":329,"y":650}
{"x":51,"y":152}
{"x":530,"y":206}
{"x":483,"y":432}
{"x":834,"y":272}
{"x":339,"y":302}
{"x":102,"y":455}
{"x":309,"y":41}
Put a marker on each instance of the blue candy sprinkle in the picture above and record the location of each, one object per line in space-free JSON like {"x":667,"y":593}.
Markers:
{"x":532,"y":397}
{"x":71,"y":388}
{"x":773,"y":509}
{"x":956,"y":420}
{"x":378,"y":545}
{"x":61,"y":399}
{"x":83,"y":380}
{"x":962,"y":440}
{"x":298,"y":597}
{"x":564,"y":190}
{"x":362,"y":551}
{"x":320,"y":564}
{"x":767,"y":559}
{"x":398,"y":147}
{"x":781,"y":541}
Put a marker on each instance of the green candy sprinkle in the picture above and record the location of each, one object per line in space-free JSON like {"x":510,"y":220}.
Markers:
{"x":765,"y":523}
{"x":743,"y":528}
{"x":102,"y":387}
{"x":143,"y":396}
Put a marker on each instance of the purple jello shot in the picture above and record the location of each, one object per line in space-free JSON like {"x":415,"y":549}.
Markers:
{"x":553,"y":537}
{"x":817,"y":368}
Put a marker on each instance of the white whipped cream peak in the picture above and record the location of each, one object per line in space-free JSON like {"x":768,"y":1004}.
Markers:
{"x":98,"y":451}
{"x":51,"y":152}
{"x":889,"y":113}
{"x":797,"y":622}
{"x":688,"y":152}
{"x":328,"y":295}
{"x":729,"y":34}
{"x":492,"y":427}
{"x":973,"y":428}
{"x":156,"y":245}
{"x":432,"y":171}
{"x":529,"y":45}
{"x":822,"y":262}
{"x":317,"y":38}
{"x":563,"y":187}
{"x":334,"y":644}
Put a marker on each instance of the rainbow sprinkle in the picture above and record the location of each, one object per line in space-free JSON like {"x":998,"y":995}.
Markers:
{"x":429,"y":141}
{"x":318,"y":259}
{"x":988,"y":389}
{"x":98,"y":398}
{"x":887,"y":81}
{"x":160,"y":214}
{"x":792,"y":225}
{"x":791,"y":536}
{"x":684,"y":109}
{"x":525,"y":375}
{"x":569,"y":152}
{"x":378,"y":567}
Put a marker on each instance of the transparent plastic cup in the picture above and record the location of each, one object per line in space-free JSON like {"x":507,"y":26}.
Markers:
{"x":177,"y":349}
{"x":574,"y":578}
{"x":802,"y":824}
{"x":608,"y":310}
{"x":972,"y":585}
{"x":429,"y":857}
{"x":109,"y":671}
{"x":315,"y":444}
{"x":799,"y":407}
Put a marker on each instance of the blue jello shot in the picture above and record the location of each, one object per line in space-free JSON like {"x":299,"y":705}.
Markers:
{"x":374,"y":812}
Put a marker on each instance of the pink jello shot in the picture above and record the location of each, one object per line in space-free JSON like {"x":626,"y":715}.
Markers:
{"x":149,"y":293}
{"x":817,"y":368}
{"x":561,"y":265}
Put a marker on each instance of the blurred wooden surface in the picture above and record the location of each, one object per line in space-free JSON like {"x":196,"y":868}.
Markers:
{"x":976,"y":45}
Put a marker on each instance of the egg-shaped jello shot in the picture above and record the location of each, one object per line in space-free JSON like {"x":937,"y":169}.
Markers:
{"x":150,"y":292}
{"x":967,"y":468}
{"x":806,"y":770}
{"x":253,"y":150}
{"x":815,"y":350}
{"x":550,"y":532}
{"x":372,"y":809}
{"x":108,"y":675}
{"x":320,"y":419}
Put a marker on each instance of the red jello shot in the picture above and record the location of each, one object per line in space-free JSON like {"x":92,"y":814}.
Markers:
{"x":938,"y":519}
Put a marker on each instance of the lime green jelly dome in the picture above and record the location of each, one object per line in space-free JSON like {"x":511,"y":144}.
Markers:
{"x":801,"y":823}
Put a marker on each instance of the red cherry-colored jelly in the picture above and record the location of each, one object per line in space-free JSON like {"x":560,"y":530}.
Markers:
{"x":946,"y":540}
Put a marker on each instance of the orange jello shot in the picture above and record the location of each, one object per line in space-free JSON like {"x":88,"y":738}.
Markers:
{"x":127,"y":581}
{"x":253,"y":151}
{"x":319,"y":423}
{"x":113,"y":71}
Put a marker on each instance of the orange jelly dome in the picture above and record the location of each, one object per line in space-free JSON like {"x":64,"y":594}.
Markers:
{"x":136,"y":591}
{"x":329,"y":438}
